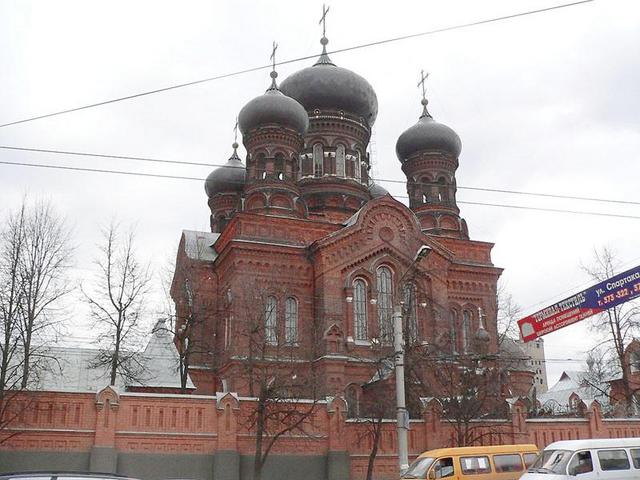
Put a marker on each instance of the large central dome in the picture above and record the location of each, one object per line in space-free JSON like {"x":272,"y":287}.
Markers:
{"x":327,"y":86}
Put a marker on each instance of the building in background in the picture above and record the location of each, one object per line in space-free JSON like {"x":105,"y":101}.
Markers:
{"x":535,"y":350}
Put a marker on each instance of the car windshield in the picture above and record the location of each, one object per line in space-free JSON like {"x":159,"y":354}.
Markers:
{"x":418,"y":469}
{"x":551,"y":461}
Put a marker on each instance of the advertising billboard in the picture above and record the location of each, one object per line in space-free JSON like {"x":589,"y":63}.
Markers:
{"x":596,"y":299}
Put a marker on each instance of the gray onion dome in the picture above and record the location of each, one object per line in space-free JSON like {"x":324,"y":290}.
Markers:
{"x":229,"y":178}
{"x":427,"y":135}
{"x":325,"y":85}
{"x":377,"y":191}
{"x":273,"y":108}
{"x":482,"y":335}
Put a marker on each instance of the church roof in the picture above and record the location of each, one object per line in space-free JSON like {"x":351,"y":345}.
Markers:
{"x":73,"y":369}
{"x":570,"y":382}
{"x":199,"y":245}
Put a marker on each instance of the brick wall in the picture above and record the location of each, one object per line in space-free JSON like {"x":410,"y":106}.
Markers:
{"x":179,"y":427}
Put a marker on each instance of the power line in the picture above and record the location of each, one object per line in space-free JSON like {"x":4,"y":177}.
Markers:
{"x":117,"y":157}
{"x":382,"y":180}
{"x":101,"y":170}
{"x":299,"y":59}
{"x":519,"y":192}
{"x":181,"y":177}
{"x":541,"y":209}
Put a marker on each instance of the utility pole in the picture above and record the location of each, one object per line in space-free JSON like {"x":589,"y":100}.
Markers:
{"x":402,"y":416}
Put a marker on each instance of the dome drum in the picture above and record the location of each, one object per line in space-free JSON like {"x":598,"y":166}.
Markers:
{"x":270,"y":138}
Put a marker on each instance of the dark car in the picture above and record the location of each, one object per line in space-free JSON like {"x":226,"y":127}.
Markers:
{"x":47,"y":475}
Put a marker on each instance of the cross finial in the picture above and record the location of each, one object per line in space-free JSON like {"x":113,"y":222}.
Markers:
{"x":323,"y":19}
{"x":235,"y":133}
{"x":421,"y":83}
{"x":274,"y":74}
{"x":273,"y":55}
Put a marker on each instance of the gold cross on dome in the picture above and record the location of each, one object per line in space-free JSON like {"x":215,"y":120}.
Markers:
{"x":273,"y":55}
{"x":323,"y":20}
{"x":423,"y":78}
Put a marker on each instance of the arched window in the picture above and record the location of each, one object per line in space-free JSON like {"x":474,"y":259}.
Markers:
{"x":454,"y":332}
{"x":340,"y":169}
{"x":261,"y":166}
{"x":352,"y":395}
{"x":318,"y":160}
{"x":291,"y":320}
{"x":409,"y":311}
{"x":360,"y":309}
{"x":385,"y":304}
{"x":466,"y":331}
{"x":357,"y":167}
{"x":635,"y":361}
{"x":279,"y":166}
{"x":271,"y":320}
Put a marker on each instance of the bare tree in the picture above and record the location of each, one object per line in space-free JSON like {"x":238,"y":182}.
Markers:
{"x":117,"y":302}
{"x":376,"y":404}
{"x":11,"y":292}
{"x":508,"y":314}
{"x":278,"y":369}
{"x":599,"y":371}
{"x":618,"y":324}
{"x":468,"y":386}
{"x":45,"y":257}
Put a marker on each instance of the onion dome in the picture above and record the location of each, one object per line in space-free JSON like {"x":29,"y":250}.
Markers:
{"x":327,"y":86}
{"x":482,"y":335}
{"x":377,"y":191}
{"x":273,"y":108}
{"x":427,"y":135}
{"x":229,"y":178}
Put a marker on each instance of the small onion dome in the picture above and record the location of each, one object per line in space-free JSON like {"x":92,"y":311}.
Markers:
{"x":377,"y":191}
{"x":229,"y":178}
{"x":325,"y":85}
{"x":427,"y":134}
{"x":273,"y":108}
{"x":482,"y":335}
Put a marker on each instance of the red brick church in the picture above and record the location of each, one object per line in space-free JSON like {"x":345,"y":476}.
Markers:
{"x":323,"y":252}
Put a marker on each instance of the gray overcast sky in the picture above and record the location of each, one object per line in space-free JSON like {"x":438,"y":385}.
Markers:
{"x":546,"y":103}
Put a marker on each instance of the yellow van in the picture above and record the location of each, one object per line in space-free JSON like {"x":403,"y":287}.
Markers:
{"x":499,"y":462}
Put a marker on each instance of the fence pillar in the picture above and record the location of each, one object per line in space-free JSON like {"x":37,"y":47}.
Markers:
{"x":594,"y":415}
{"x":432,"y":414}
{"x":338,"y":458}
{"x":104,"y":457}
{"x":226,"y":462}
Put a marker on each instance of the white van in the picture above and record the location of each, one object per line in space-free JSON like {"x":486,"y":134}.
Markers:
{"x":601,"y":459}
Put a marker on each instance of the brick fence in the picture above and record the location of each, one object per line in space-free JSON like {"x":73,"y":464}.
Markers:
{"x":205,"y":437}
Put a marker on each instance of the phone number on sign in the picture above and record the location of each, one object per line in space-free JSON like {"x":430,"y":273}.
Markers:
{"x":618,"y":294}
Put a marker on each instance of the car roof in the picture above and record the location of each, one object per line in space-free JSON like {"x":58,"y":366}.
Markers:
{"x":49,"y":473}
{"x":593,"y":443}
{"x":522,"y":448}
